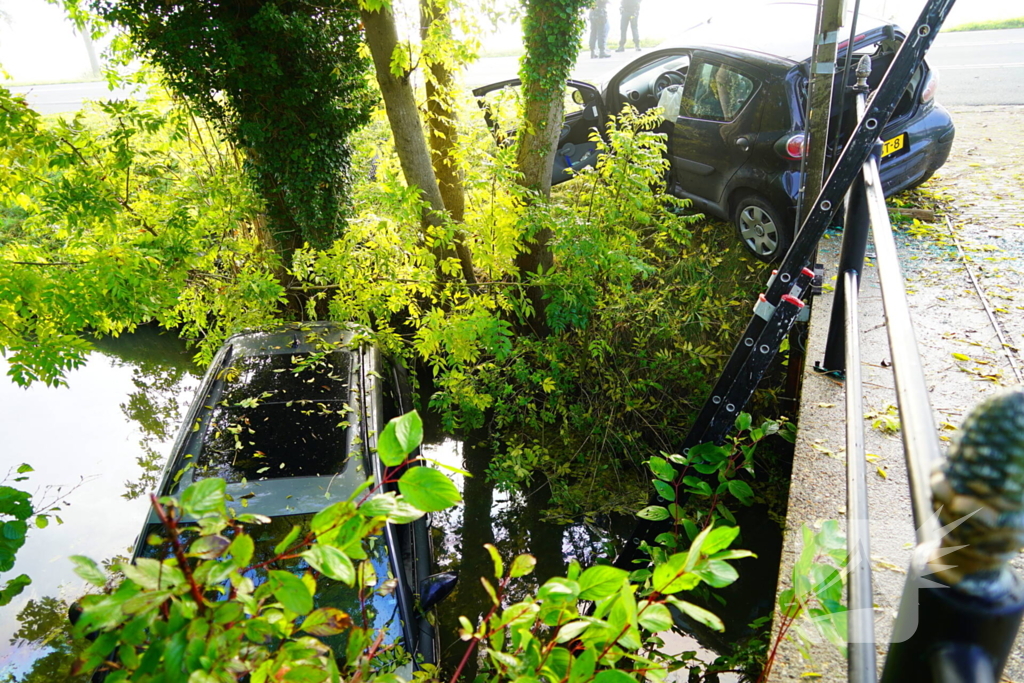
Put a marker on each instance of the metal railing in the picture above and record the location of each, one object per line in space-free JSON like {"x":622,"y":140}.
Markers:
{"x":959,"y":624}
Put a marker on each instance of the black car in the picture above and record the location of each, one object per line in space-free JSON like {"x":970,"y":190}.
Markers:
{"x":289,"y":420}
{"x":736,"y":139}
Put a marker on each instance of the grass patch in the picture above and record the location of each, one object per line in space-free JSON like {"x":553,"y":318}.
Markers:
{"x":989,"y":25}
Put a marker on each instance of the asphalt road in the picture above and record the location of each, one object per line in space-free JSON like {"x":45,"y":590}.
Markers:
{"x":976,"y":67}
{"x":980,"y":67}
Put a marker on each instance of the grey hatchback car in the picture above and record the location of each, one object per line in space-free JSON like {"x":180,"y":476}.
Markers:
{"x":736,"y":139}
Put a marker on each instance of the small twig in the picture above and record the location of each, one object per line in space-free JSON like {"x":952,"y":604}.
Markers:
{"x":984,"y":302}
{"x":179,"y":551}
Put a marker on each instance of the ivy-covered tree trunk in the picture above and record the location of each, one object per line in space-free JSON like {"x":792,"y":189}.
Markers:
{"x":551,"y":36}
{"x":406,"y":126}
{"x":442,"y":120}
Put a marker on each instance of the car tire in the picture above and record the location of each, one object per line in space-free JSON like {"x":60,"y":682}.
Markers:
{"x":761,"y":228}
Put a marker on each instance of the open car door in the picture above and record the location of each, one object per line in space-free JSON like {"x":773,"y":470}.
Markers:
{"x":584,"y":113}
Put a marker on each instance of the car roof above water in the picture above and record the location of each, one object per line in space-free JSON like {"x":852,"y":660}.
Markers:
{"x":780,"y":32}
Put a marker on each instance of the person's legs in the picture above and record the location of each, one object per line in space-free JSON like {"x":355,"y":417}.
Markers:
{"x":622,"y":33}
{"x":634,"y":20}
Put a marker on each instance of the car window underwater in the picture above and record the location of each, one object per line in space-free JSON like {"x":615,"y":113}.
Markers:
{"x":281,"y":415}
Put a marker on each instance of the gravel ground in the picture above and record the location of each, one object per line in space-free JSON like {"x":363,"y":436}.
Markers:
{"x":979,"y":232}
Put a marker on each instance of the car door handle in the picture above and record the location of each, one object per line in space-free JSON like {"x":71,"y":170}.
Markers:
{"x":743,"y":143}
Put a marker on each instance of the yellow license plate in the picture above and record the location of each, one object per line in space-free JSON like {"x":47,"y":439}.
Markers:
{"x":897,"y":144}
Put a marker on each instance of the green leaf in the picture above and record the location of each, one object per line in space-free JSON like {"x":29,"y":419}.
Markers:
{"x":13,"y":588}
{"x":42,"y":521}
{"x":671,"y":576}
{"x":145,"y":602}
{"x":24,"y":467}
{"x":662,"y":470}
{"x":518,"y":614}
{"x":654,"y":617}
{"x":404,"y":512}
{"x":205,"y":497}
{"x":380,"y":505}
{"x":743,"y":421}
{"x":428,"y":489}
{"x":583,"y":666}
{"x":719,"y":539}
{"x":699,"y":614}
{"x":490,"y":590}
{"x":558,"y":589}
{"x":601,"y":581}
{"x":400,"y":437}
{"x":153,"y":574}
{"x":613,"y":676}
{"x":499,"y":565}
{"x":655,"y":513}
{"x":732,"y":555}
{"x":830,"y":536}
{"x":709,"y":452}
{"x":742,"y":491}
{"x":326,"y":621}
{"x":303,"y":673}
{"x":698,"y":486}
{"x":696,"y":547}
{"x":571,"y":630}
{"x":522,"y":565}
{"x":717,"y":573}
{"x":89,"y":570}
{"x":326,"y":523}
{"x":332,"y":563}
{"x":665,"y":490}
{"x":287,"y":541}
{"x":209,"y":547}
{"x":290,"y":591}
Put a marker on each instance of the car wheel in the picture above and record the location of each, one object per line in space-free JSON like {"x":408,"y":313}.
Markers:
{"x":761,"y":228}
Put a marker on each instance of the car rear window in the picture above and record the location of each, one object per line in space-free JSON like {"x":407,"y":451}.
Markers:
{"x":373,"y":608}
{"x":280,"y":415}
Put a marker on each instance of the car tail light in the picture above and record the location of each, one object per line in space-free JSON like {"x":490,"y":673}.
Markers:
{"x":791,"y":146}
{"x":930,"y":86}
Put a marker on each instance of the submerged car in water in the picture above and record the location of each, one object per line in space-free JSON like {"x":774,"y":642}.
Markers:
{"x":289,"y":420}
{"x":735,"y":97}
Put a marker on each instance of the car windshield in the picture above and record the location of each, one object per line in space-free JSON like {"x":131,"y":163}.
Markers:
{"x":278,"y":415}
{"x":369,"y":609}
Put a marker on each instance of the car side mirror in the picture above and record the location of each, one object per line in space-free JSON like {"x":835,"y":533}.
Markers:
{"x":577,"y":97}
{"x":436,"y":588}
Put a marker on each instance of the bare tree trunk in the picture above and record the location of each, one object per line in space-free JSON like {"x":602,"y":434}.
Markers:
{"x":406,"y":126}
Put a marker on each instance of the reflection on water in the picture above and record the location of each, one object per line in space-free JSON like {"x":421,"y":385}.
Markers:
{"x":514,"y":523}
{"x":110,"y":428}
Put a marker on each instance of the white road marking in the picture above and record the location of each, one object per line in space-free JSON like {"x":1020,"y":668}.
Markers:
{"x":1013,"y":65}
